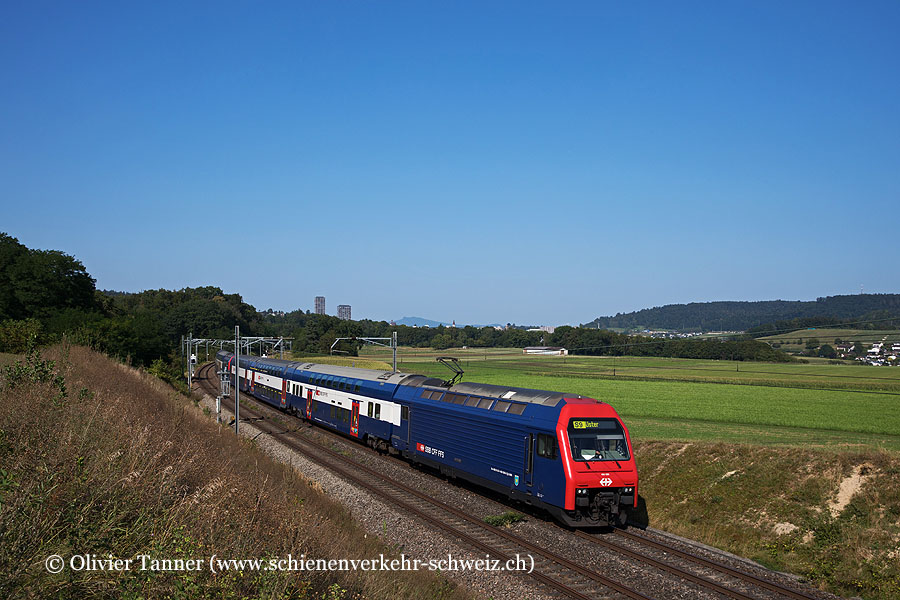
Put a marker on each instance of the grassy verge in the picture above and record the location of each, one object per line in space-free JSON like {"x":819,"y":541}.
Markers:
{"x":123,"y":466}
{"x":831,"y":517}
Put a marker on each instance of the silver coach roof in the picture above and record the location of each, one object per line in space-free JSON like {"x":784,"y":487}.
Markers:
{"x":334,"y":370}
{"x":514,"y":394}
{"x":354,"y":372}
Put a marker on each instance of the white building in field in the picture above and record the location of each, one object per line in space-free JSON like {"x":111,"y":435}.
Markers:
{"x":546,"y":350}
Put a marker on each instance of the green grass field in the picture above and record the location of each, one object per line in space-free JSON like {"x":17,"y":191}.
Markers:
{"x":833,"y":406}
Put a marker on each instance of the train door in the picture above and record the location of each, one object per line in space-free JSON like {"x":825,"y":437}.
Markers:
{"x":529,"y":459}
{"x":283,"y":392}
{"x":354,"y":419}
{"x":309,"y":403}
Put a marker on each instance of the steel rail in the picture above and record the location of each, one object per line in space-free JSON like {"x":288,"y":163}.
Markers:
{"x":715,"y":565}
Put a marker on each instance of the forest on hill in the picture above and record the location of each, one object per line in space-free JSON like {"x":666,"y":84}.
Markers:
{"x":46,"y":295}
{"x":742,"y":316}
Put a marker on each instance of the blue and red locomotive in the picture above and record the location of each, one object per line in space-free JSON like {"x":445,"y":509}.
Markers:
{"x":564,"y":453}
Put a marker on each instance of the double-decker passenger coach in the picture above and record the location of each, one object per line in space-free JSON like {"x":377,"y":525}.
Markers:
{"x":564,"y":453}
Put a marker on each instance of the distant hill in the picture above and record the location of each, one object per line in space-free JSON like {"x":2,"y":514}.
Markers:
{"x":741,"y":316}
{"x":420,"y":322}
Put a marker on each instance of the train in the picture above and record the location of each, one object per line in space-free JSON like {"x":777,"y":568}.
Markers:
{"x":563,"y":453}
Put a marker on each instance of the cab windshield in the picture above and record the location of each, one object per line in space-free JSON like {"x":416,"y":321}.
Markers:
{"x":597,"y":439}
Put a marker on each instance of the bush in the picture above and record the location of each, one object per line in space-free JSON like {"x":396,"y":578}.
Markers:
{"x":16,"y":336}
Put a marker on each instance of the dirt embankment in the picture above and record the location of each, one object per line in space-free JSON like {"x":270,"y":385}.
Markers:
{"x":833,"y":518}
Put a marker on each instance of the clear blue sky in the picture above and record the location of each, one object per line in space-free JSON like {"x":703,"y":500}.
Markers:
{"x":540,"y":163}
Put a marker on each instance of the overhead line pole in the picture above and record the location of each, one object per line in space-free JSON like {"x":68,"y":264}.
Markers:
{"x":372,"y":340}
{"x":237,"y":377}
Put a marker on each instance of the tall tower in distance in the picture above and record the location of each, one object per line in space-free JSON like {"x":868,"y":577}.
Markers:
{"x":320,"y":305}
{"x":344,"y":312}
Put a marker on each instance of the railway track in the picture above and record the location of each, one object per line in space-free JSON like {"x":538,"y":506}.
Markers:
{"x":550,"y":569}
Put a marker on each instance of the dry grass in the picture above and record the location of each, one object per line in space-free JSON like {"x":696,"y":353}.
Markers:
{"x":125,"y":466}
{"x":774,"y":506}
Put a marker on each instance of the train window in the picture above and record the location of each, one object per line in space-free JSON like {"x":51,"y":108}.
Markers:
{"x":369,"y":410}
{"x":377,"y":411}
{"x":425,"y":394}
{"x":546,"y":445}
{"x":501,"y":406}
{"x":472,"y":401}
{"x":597,"y":439}
{"x":485,"y":403}
{"x":358,"y":387}
{"x":516,"y":408}
{"x":404,"y":413}
{"x":455,"y":398}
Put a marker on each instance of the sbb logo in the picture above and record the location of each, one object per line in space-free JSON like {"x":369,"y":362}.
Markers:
{"x":606,"y":482}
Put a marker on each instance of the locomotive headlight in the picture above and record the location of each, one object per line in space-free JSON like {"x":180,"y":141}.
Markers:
{"x":581,"y":491}
{"x":627,"y":490}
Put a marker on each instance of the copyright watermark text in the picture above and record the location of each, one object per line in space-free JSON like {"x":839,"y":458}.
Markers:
{"x":217,"y":564}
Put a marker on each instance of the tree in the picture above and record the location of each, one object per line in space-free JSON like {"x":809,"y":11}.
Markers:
{"x":441,"y":341}
{"x":44,"y":281}
{"x":827,"y":351}
{"x":11,"y":251}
